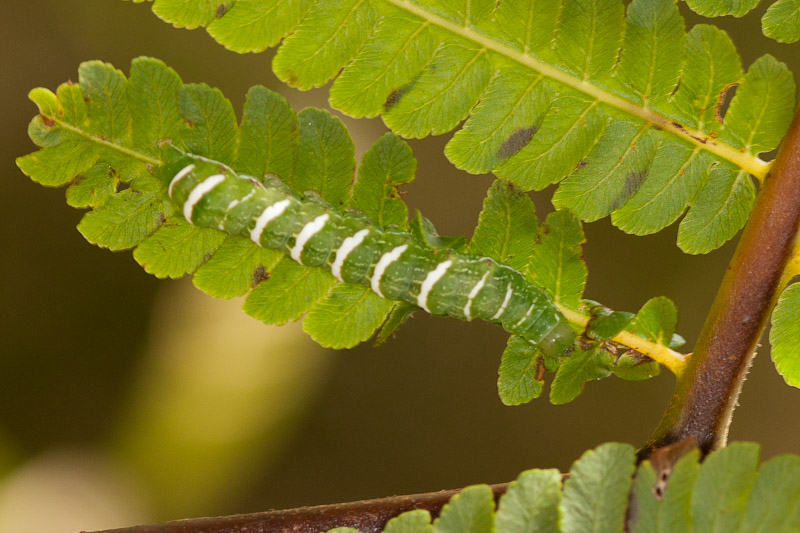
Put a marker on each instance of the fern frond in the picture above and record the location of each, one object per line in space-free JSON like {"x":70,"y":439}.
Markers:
{"x":604,"y":492}
{"x":625,"y":111}
{"x":112,"y":142}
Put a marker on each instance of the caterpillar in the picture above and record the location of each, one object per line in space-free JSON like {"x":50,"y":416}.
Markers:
{"x":393,"y":263}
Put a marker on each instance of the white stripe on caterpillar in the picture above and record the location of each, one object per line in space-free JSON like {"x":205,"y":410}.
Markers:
{"x":308,"y":231}
{"x":270,"y":213}
{"x":472,"y":294}
{"x":523,"y":319}
{"x":430,"y":280}
{"x":383,"y":263}
{"x":504,"y":305}
{"x":348,"y":245}
{"x":197,"y":194}
{"x":182,"y":173}
{"x":231,"y":205}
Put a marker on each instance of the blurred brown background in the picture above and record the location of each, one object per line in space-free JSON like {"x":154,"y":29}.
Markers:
{"x":99,"y":362}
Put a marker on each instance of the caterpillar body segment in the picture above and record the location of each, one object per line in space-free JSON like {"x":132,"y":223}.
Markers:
{"x":391,"y":262}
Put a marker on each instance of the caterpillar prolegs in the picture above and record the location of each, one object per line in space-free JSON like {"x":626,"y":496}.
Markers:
{"x":393,"y":263}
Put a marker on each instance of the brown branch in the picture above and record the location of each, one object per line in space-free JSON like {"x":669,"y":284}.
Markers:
{"x":706,"y":395}
{"x":367,"y":516}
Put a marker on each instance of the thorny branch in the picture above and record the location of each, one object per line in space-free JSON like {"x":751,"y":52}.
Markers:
{"x":367,"y":516}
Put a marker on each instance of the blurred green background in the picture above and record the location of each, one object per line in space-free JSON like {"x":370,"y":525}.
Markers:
{"x":125,"y":399}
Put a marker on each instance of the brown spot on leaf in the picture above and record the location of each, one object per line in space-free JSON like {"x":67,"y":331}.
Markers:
{"x":515,"y":142}
{"x":677,"y":86}
{"x":260,"y":274}
{"x":392,"y":99}
{"x":397,"y":94}
{"x":221,"y":10}
{"x":189,"y":123}
{"x":633,"y":181}
{"x":724,"y":101}
{"x":47,"y":121}
{"x":540,"y":369}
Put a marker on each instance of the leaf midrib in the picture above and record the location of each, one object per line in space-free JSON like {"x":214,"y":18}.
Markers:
{"x":105,"y":142}
{"x":752,"y":164}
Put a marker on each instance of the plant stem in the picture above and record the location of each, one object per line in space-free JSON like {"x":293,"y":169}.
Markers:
{"x":706,"y":395}
{"x":674,"y":361}
{"x":368,"y":516}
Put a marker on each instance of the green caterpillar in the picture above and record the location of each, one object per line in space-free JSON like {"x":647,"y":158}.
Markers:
{"x":392,"y":263}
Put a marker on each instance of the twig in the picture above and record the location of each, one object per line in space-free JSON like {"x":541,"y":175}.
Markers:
{"x":368,"y":516}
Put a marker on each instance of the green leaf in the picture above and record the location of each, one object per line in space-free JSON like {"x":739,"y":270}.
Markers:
{"x":519,"y":379}
{"x":236,"y":266}
{"x":269,"y":137}
{"x":402,"y":45}
{"x":400,"y":313}
{"x":417,"y":521}
{"x":152,"y":94}
{"x":522,"y":99}
{"x":567,"y":133}
{"x":662,"y":197}
{"x":785,"y":335}
{"x":654,"y":33}
{"x":442,"y":95}
{"x":387,"y":164}
{"x":516,"y":18}
{"x":633,"y":366}
{"x":557,"y":263}
{"x":774,"y":504}
{"x":531,"y":503}
{"x":577,"y":370}
{"x":56,"y":166}
{"x":596,"y":492}
{"x":763,"y":107}
{"x":470,"y":511}
{"x":93,"y":187}
{"x":347,"y":316}
{"x":103,"y":89}
{"x":128,"y":217}
{"x":722,"y":488}
{"x":326,"y":40}
{"x":671,"y":511}
{"x":712,"y":55}
{"x":601,"y":185}
{"x":291,"y":291}
{"x":177,"y":249}
{"x":719,"y":212}
{"x":255,"y":25}
{"x":187,"y":13}
{"x":507,"y":226}
{"x":656,"y":320}
{"x":328,"y":162}
{"x":606,"y":324}
{"x":210,"y":123}
{"x":589,"y":37}
{"x":782,"y":21}
{"x":716,"y":8}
